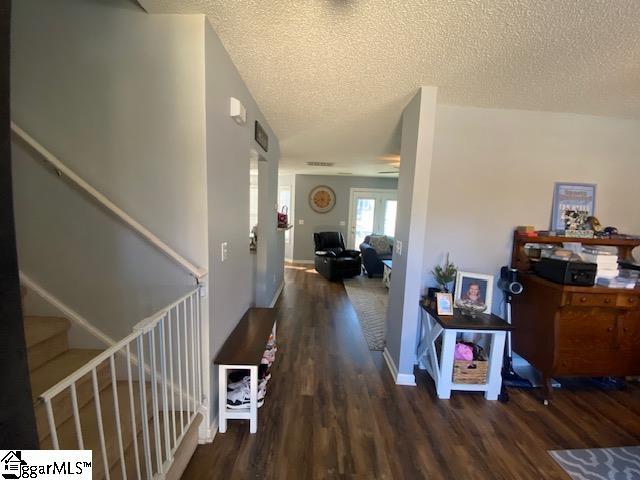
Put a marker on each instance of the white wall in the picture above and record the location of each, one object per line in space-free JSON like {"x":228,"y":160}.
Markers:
{"x":495,"y":169}
{"x":289,"y":180}
{"x":303,"y":248}
{"x":117,"y":95}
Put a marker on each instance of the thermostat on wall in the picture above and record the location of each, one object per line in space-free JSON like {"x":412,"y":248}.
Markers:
{"x":237,"y":111}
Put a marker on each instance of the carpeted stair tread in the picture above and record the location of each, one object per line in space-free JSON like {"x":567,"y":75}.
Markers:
{"x":59,"y":368}
{"x":39,"y":329}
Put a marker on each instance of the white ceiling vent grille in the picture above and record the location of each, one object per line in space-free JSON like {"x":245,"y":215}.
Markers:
{"x":320,"y":164}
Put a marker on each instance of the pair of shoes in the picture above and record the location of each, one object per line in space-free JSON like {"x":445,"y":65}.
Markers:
{"x":241,"y":398}
{"x":245,"y":383}
{"x":269,"y":356}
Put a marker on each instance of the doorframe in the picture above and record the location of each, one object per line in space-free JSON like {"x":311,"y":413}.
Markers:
{"x":352,"y":196}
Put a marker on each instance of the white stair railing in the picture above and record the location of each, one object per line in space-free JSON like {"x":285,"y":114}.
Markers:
{"x":156,"y":379}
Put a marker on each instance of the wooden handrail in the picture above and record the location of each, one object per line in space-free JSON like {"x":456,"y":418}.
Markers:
{"x":140,"y":229}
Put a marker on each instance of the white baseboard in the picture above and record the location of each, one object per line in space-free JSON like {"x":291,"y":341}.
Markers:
{"x":209,"y":433}
{"x":406,"y":379}
{"x":304,"y":262}
{"x":277,"y":295}
{"x":400,"y":378}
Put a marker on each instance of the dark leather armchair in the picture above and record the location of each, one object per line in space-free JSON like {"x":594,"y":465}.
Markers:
{"x":333,"y":260}
{"x":372,"y":260}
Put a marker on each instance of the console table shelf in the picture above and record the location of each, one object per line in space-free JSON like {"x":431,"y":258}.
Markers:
{"x":243,"y":350}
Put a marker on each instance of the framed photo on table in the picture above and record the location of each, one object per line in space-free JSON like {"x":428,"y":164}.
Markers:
{"x":474,"y":287}
{"x":572,"y":197}
{"x":444,"y":303}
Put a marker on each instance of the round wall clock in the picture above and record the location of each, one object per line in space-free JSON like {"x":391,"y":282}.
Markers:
{"x":322,"y":199}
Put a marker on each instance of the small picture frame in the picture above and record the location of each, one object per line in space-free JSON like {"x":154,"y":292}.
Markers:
{"x":476,"y":287}
{"x":444,"y":303}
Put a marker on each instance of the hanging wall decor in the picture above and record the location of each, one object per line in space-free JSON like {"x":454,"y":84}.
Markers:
{"x":322,"y":199}
{"x":261,"y":137}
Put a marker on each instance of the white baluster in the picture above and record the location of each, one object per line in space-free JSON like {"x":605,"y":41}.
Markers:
{"x":76,"y":416}
{"x":144,"y":416}
{"x":52,"y":424}
{"x":103,"y":447}
{"x":165,"y":396}
{"x":116,"y":406}
{"x":134,"y":429}
{"x":154,"y":398}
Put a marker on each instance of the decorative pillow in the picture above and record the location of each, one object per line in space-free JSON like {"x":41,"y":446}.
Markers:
{"x":380,"y":244}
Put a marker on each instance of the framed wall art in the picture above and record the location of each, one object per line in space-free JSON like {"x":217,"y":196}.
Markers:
{"x":322,"y":199}
{"x":261,"y":137}
{"x":569,"y":198}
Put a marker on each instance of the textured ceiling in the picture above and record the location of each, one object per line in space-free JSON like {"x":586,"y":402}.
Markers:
{"x":332,"y":76}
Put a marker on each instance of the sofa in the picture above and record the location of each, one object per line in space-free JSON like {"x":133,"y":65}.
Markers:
{"x":332,"y":260}
{"x":374,"y":249}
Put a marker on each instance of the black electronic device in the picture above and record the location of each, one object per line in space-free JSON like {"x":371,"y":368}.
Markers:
{"x":565,"y":272}
{"x":509,"y":281}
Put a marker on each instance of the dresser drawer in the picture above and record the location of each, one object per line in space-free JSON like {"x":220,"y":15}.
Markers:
{"x":631,"y":300}
{"x":593,"y":299}
{"x":582,"y":329}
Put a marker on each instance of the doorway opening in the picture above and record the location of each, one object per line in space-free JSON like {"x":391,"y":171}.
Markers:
{"x":371,"y":211}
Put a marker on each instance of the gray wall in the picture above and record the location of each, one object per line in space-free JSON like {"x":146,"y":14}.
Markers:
{"x":404,"y":293}
{"x":117,"y":95}
{"x":228,"y":154}
{"x":495,"y":169}
{"x":318,"y":222}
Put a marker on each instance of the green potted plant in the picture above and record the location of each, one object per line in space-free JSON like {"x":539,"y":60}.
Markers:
{"x":444,"y":274}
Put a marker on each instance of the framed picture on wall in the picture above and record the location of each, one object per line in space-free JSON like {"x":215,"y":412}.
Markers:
{"x":261,"y":137}
{"x":476,"y":288}
{"x":572,"y":199}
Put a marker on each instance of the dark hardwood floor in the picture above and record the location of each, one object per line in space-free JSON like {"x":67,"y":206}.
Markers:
{"x":333,"y":411}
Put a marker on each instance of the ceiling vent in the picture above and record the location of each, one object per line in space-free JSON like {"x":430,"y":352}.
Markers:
{"x":320,"y":164}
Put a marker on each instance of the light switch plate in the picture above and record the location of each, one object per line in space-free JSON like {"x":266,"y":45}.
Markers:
{"x":399,"y":247}
{"x":223,"y":251}
{"x":301,"y":222}
{"x":342,"y":223}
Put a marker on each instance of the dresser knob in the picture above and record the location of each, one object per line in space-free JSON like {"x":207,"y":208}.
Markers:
{"x":632,"y":299}
{"x":607,"y":301}
{"x":583,"y":299}
{"x":609,"y":329}
{"x":625,"y":329}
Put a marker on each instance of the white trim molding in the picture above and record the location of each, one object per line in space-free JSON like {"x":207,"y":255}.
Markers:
{"x":68,"y":312}
{"x":405,"y":379}
{"x":277,"y":295}
{"x":140,"y":229}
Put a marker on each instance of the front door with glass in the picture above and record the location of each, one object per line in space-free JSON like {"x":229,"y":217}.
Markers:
{"x":371,"y":212}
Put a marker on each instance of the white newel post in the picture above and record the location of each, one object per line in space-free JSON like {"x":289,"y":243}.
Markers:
{"x":206,"y":431}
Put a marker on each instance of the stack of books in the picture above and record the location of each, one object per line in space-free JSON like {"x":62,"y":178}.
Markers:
{"x":609,"y":273}
{"x":606,"y":261}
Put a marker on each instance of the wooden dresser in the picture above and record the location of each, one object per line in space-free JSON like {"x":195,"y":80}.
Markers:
{"x":567,"y":331}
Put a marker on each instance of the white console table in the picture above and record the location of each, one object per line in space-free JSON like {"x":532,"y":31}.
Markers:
{"x":440,"y":368}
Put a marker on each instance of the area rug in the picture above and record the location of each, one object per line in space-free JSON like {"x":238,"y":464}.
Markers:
{"x":369,"y":298}
{"x":621,"y":463}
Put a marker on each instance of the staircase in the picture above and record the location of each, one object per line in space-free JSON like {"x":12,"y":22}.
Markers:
{"x":51,"y":360}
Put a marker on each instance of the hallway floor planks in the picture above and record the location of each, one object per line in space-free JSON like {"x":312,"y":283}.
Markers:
{"x":333,"y":411}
